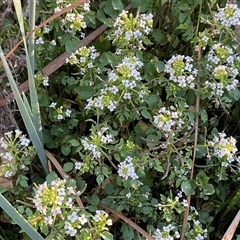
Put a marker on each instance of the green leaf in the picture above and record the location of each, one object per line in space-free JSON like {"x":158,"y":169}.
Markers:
{"x":51,"y":177}
{"x":106,"y":235}
{"x":209,"y":189}
{"x":160,"y":66}
{"x":153,"y":140}
{"x":204,"y":115}
{"x":74,"y":143}
{"x":94,"y":200}
{"x":187,"y":187}
{"x":71,"y":42}
{"x":144,"y":5}
{"x":85,"y":92}
{"x":67,"y":167}
{"x":183,"y":6}
{"x":128,"y":232}
{"x":201,"y":179}
{"x":146,"y":114}
{"x":159,"y":36}
{"x":153,"y":101}
{"x":100,"y":178}
{"x":65,"y":149}
{"x":13,"y":213}
{"x":117,"y":4}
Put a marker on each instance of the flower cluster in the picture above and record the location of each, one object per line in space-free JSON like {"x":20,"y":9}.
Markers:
{"x":181,"y":71}
{"x":228,"y":16}
{"x":61,"y":113}
{"x":93,"y":149}
{"x":168,"y":232}
{"x":40,"y":39}
{"x":171,"y":120}
{"x":123,"y":86}
{"x":126,"y":169}
{"x":96,"y":141}
{"x":131,"y":32}
{"x":170,"y":206}
{"x":15,"y":154}
{"x":57,"y":207}
{"x":74,"y":20}
{"x":101,"y":220}
{"x":224,"y":148}
{"x":222,"y":66}
{"x":197,"y":232}
{"x":85,"y":59}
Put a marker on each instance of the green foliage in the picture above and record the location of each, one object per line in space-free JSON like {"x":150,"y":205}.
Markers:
{"x":143,"y":117}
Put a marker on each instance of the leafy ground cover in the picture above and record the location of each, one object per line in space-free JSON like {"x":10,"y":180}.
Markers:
{"x":130,"y":126}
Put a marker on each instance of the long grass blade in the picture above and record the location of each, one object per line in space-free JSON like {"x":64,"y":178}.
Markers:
{"x":30,"y":66}
{"x":31,"y":22}
{"x":26,"y":116}
{"x":19,"y":219}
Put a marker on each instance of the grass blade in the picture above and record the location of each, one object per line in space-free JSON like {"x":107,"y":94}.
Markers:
{"x":19,"y":219}
{"x":26,"y":115}
{"x":30,"y":65}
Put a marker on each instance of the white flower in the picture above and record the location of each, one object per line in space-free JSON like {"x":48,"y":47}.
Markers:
{"x":8,"y":156}
{"x":78,"y":165}
{"x":60,"y":117}
{"x":39,"y":41}
{"x":45,"y":81}
{"x":109,"y":222}
{"x":86,"y":6}
{"x":48,"y":220}
{"x":128,"y":195}
{"x":112,"y":105}
{"x":82,"y":219}
{"x":18,"y":132}
{"x":71,"y":231}
{"x":46,"y":29}
{"x":73,"y":217}
{"x":53,"y":105}
{"x":24,"y":141}
{"x":126,"y":170}
{"x":82,"y":35}
{"x":53,"y":42}
{"x":68,"y":112}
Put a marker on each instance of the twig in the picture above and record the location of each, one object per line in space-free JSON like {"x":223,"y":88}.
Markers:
{"x":232,"y":228}
{"x":185,"y":218}
{"x":130,"y":222}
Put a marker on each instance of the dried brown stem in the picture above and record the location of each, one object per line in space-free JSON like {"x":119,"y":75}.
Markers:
{"x":130,"y":222}
{"x":185,"y":218}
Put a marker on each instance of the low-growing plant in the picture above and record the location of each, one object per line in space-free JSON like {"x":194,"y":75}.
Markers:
{"x":144,"y":121}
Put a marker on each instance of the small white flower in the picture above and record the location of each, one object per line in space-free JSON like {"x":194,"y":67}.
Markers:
{"x":82,"y":219}
{"x":53,"y":105}
{"x":60,"y":117}
{"x":68,"y":112}
{"x":73,"y":217}
{"x":46,"y":81}
{"x":128,"y":195}
{"x":46,"y":29}
{"x":39,"y":41}
{"x":109,"y":222}
{"x":18,"y":132}
{"x":53,"y":42}
{"x":78,"y":165}
{"x":24,"y":141}
{"x":48,"y":220}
